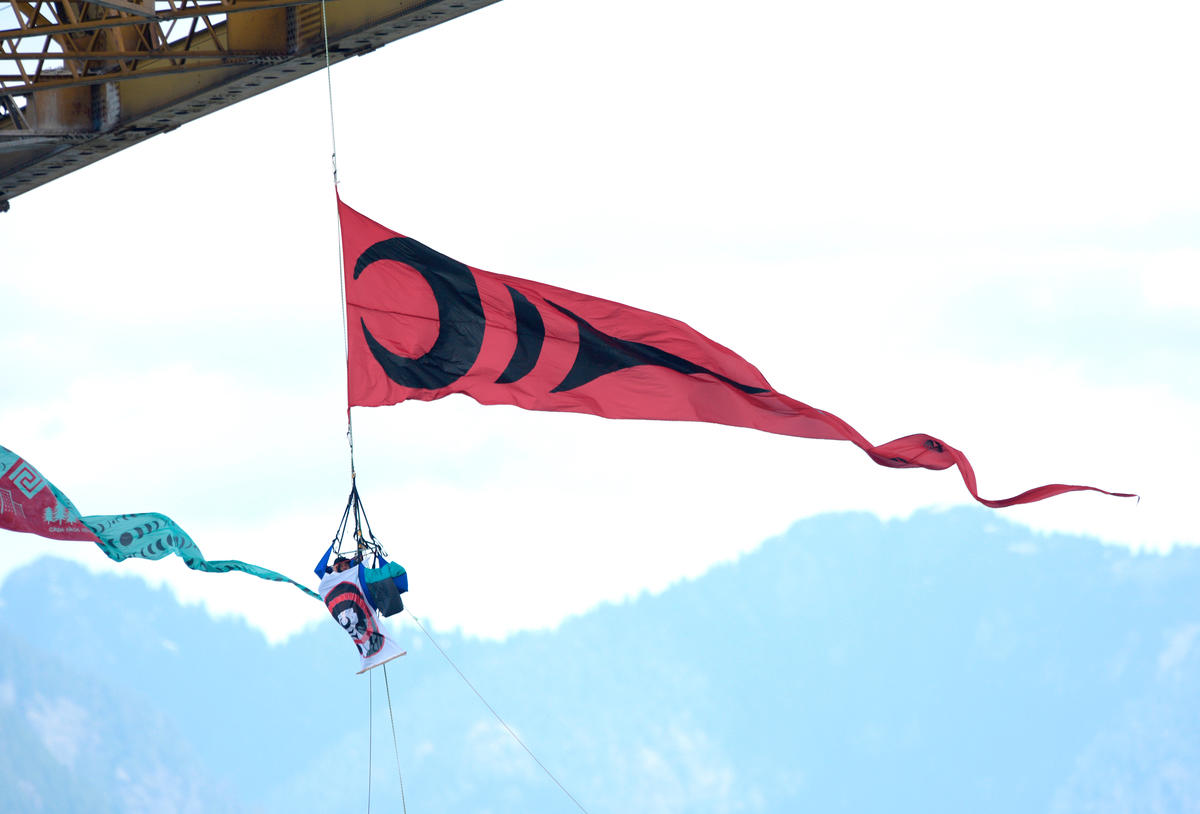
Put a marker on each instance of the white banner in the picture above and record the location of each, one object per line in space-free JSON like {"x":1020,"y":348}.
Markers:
{"x":344,"y":597}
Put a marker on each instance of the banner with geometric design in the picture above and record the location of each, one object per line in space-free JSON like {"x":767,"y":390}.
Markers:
{"x":30,"y":503}
{"x":423,"y":326}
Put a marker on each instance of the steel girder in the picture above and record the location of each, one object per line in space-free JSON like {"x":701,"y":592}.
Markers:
{"x":83,"y":79}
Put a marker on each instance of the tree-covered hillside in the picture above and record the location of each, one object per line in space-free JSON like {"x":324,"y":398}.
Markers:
{"x":950,"y":662}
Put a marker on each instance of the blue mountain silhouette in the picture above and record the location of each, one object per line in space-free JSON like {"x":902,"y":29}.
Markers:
{"x":949,"y":662}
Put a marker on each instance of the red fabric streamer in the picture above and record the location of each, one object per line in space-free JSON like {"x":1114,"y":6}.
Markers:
{"x":30,"y":503}
{"x":423,"y":326}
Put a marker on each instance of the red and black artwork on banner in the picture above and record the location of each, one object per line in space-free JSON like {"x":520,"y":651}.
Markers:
{"x":348,"y":606}
{"x":422,"y":326}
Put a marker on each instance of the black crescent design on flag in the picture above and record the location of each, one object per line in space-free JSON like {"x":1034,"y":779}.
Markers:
{"x":460,"y":316}
{"x":531,"y":333}
{"x":667,"y":371}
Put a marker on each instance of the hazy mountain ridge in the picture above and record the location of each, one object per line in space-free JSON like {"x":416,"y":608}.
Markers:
{"x":75,"y":742}
{"x":949,"y":662}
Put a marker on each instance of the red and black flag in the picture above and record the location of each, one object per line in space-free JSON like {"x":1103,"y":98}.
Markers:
{"x":423,"y":326}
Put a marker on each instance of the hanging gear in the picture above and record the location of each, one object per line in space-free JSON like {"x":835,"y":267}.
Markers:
{"x":382,"y":581}
{"x":360,"y":586}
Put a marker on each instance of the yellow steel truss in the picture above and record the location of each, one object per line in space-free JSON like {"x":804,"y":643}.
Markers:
{"x":83,"y":79}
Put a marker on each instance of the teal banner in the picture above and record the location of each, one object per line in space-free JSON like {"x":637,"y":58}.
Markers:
{"x":30,"y":503}
{"x":151,"y":536}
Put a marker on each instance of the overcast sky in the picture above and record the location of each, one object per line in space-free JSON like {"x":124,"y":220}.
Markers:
{"x":975,"y":222}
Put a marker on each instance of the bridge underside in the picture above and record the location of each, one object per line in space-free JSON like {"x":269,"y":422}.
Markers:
{"x":82,"y":80}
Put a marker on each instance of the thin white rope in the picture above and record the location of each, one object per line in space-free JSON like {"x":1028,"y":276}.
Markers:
{"x":495,"y":714}
{"x":370,"y":734}
{"x":329,"y":84}
{"x":341,"y":271}
{"x":392,"y":718}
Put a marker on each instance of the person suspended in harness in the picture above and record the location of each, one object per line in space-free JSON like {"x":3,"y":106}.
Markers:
{"x":359,"y":597}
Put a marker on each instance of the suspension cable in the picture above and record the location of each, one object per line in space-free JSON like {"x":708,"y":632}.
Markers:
{"x":329,"y":86}
{"x":353,"y":477}
{"x":341,"y":277}
{"x":370,"y":734}
{"x":492,"y":710}
{"x":403,"y":802}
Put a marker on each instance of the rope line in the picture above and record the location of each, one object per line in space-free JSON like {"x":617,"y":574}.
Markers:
{"x":370,"y":735}
{"x":391,"y":718}
{"x":329,"y":85}
{"x":350,"y":442}
{"x":341,"y":276}
{"x":495,"y":714}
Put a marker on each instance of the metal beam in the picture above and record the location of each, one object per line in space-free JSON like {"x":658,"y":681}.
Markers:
{"x":142,"y":8}
{"x":192,"y":65}
{"x":186,"y":13}
{"x":54,"y":122}
{"x":116,"y":56}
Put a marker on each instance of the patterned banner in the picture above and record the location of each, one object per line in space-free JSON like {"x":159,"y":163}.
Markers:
{"x":30,"y":503}
{"x":423,"y":326}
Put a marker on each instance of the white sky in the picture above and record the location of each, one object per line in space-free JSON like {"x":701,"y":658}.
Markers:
{"x":975,"y":222}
